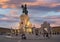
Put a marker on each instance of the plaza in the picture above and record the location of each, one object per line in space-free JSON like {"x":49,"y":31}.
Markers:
{"x":54,"y":38}
{"x":27,"y":32}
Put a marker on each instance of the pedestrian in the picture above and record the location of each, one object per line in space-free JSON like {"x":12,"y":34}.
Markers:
{"x":23,"y":36}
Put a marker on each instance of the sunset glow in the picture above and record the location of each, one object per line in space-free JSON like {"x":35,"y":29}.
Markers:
{"x":38,"y":11}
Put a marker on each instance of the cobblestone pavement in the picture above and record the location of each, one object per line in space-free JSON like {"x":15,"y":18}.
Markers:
{"x":54,"y":38}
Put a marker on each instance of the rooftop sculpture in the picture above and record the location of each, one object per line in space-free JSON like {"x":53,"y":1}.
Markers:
{"x":24,"y":8}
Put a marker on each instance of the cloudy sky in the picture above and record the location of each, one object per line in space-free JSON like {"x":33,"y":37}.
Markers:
{"x":39,"y":11}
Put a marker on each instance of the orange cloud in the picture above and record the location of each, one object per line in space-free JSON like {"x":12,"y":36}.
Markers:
{"x":1,"y":1}
{"x":54,"y":5}
{"x":7,"y":6}
{"x":36,"y":3}
{"x":45,"y":3}
{"x":13,"y":6}
{"x":4,"y":6}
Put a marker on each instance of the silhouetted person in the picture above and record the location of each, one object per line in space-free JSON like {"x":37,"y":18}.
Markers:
{"x":36,"y":32}
{"x":23,"y":36}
